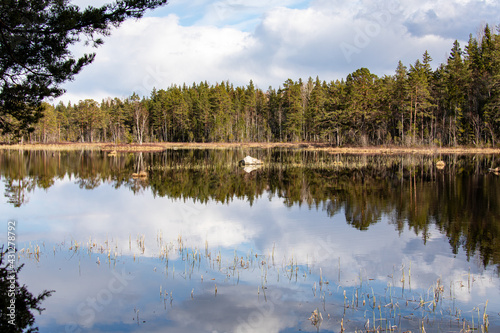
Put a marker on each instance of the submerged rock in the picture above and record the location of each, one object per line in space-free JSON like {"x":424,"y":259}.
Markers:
{"x":141,"y":174}
{"x":250,"y":168}
{"x":248,"y":160}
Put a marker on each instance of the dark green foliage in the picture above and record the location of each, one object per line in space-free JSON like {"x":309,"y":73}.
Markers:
{"x":25,"y":302}
{"x":35,"y":56}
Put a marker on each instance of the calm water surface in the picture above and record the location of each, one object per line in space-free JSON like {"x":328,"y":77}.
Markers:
{"x":310,"y":241}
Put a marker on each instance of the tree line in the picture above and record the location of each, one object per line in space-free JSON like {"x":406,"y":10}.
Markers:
{"x":458,"y":103}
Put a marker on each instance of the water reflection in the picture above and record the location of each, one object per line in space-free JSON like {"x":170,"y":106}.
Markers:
{"x":462,"y":200}
{"x":18,"y":305}
{"x":306,"y":231}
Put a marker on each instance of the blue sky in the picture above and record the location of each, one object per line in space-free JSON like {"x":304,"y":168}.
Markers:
{"x":271,"y":41}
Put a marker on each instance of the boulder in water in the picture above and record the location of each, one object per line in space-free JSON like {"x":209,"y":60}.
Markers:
{"x":250,"y":168}
{"x":248,"y":160}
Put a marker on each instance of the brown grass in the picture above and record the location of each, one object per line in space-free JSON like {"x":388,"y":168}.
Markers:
{"x":154,"y":147}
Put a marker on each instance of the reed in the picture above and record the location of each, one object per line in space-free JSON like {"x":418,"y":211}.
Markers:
{"x":311,"y":146}
{"x":388,"y":311}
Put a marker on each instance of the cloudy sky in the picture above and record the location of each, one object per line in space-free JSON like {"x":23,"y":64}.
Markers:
{"x":270,"y":41}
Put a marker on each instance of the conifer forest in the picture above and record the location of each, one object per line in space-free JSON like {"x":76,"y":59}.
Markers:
{"x":458,"y":103}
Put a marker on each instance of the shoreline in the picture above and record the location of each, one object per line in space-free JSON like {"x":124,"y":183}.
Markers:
{"x":157,"y":147}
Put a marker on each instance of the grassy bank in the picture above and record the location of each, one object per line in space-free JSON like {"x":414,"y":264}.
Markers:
{"x":152,"y":147}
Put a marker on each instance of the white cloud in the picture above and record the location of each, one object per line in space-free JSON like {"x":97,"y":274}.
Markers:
{"x":271,"y":41}
{"x":85,"y":3}
{"x":158,"y":52}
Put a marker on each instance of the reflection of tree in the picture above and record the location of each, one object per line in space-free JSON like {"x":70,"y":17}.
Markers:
{"x":139,"y":163}
{"x":25,"y":302}
{"x":471,"y":219}
{"x":139,"y":180}
{"x":89,"y":183}
{"x":17,"y":191}
{"x":363,"y":211}
{"x":463,"y":200}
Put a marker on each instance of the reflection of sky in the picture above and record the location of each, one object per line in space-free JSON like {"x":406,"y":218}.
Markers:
{"x":299,"y":236}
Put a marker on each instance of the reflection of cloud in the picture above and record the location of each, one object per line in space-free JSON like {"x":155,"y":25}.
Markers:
{"x":235,"y":309}
{"x":87,"y":295}
{"x":307,"y":236}
{"x":84,"y":215}
{"x":310,"y":237}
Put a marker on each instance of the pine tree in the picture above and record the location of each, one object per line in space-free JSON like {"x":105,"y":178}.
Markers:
{"x":361,"y":101}
{"x":419,"y":76}
{"x":89,"y":119}
{"x":455,"y":77}
{"x":277,"y":118}
{"x":401,"y":99}
{"x":178,"y":108}
{"x":35,"y":52}
{"x":292,"y":103}
{"x":316,"y":111}
{"x":491,"y":55}
{"x":46,"y":130}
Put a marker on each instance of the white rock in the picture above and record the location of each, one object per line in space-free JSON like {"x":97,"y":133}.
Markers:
{"x":248,"y":160}
{"x":250,"y":168}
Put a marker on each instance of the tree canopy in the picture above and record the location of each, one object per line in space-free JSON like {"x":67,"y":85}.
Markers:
{"x":35,"y":56}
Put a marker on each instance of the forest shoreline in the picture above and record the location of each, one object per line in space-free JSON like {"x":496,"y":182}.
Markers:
{"x":313,"y":146}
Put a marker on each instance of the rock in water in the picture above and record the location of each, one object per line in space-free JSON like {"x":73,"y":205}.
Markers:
{"x":440,"y":165}
{"x":248,"y":160}
{"x":250,"y":168}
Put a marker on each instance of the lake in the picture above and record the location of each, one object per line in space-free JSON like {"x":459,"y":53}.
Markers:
{"x":310,"y":241}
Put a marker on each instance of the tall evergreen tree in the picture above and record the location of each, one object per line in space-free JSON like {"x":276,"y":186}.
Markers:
{"x":455,"y":77}
{"x":491,"y":55}
{"x":293,"y":107}
{"x":178,"y":108}
{"x":35,"y":50}
{"x":46,"y":130}
{"x":419,"y":75}
{"x":401,"y":99}
{"x":361,"y":101}
{"x":316,"y":111}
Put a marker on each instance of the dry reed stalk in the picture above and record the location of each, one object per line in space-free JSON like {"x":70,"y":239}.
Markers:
{"x":156,"y":147}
